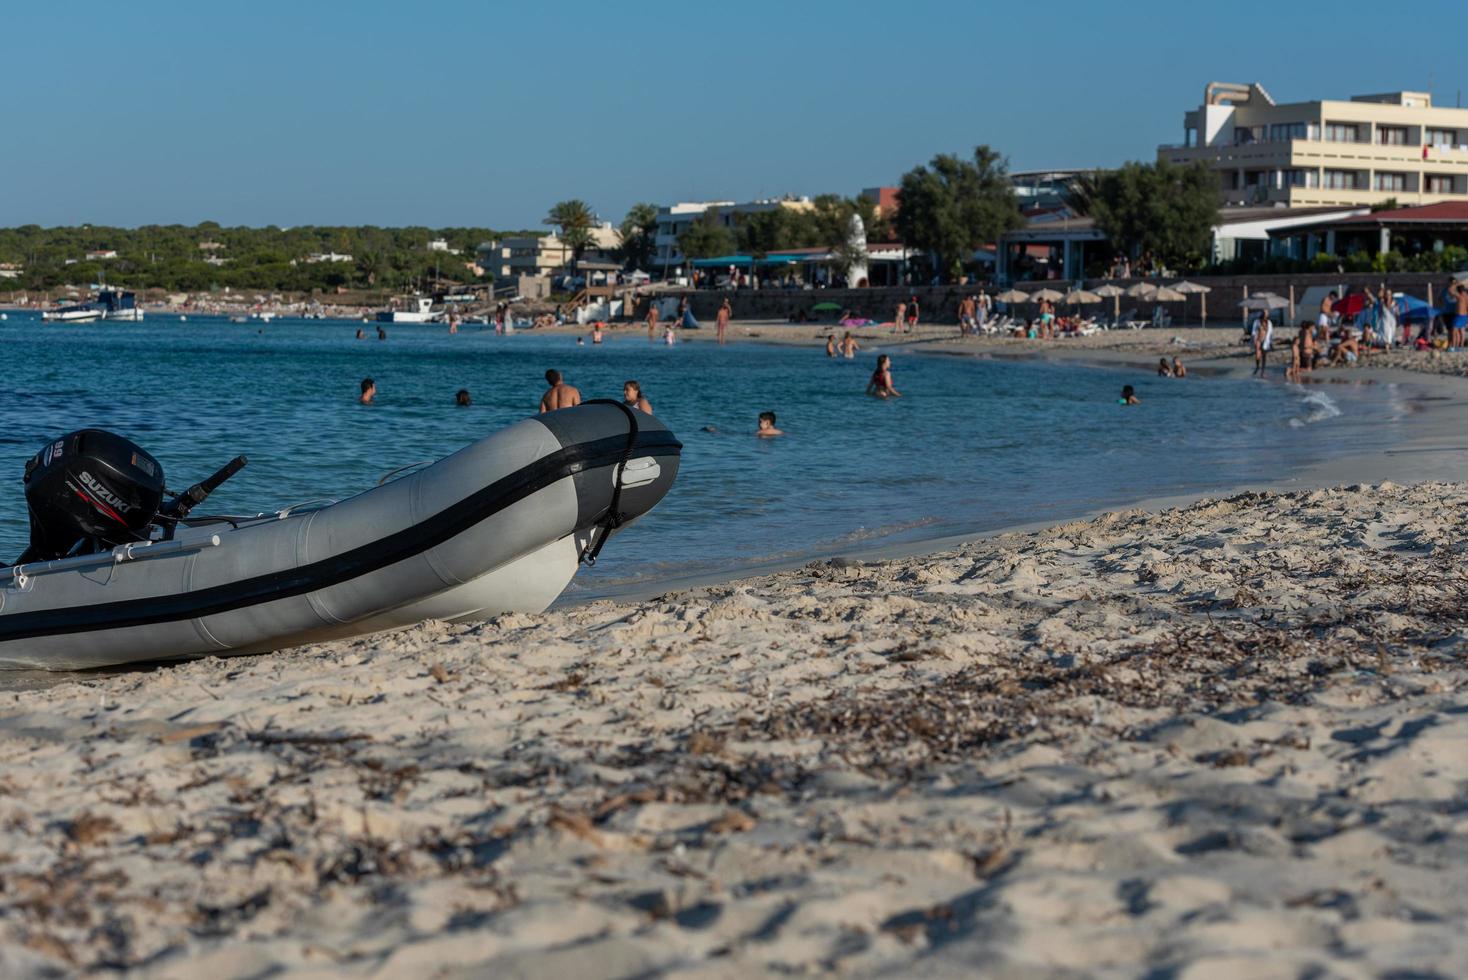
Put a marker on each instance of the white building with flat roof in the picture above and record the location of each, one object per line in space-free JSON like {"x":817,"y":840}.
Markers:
{"x":1326,"y":153}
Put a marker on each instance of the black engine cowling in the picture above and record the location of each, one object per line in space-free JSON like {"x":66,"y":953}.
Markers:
{"x":90,"y":486}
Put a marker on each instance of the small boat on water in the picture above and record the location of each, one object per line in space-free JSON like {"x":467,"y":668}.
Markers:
{"x":416,"y":309}
{"x":114,"y":575}
{"x":76,"y":313}
{"x":118,"y":305}
{"x":110,"y":304}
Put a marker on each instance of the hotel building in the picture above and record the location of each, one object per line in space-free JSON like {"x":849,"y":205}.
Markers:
{"x":1326,"y":153}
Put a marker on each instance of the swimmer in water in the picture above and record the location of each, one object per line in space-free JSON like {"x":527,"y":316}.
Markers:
{"x":632,"y":397}
{"x":767,"y":426}
{"x":461,"y":398}
{"x":880,"y":384}
{"x":369,"y":391}
{"x":1128,"y":396}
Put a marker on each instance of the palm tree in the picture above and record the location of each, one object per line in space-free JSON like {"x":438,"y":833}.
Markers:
{"x":575,"y":219}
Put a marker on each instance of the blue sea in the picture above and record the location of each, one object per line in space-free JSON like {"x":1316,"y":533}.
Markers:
{"x":974,"y":445}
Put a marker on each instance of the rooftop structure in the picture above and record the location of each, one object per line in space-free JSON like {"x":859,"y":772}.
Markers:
{"x":1326,"y":153}
{"x":539,"y":255}
{"x":675,"y":219}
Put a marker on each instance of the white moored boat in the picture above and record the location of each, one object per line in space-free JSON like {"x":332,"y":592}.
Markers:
{"x":417,"y":309}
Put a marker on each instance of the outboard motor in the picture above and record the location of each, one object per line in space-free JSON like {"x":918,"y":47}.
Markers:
{"x":90,"y":488}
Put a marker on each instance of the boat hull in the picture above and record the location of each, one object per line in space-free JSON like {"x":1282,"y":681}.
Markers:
{"x":497,"y":527}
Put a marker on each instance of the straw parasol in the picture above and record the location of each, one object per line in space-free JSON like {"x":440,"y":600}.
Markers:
{"x":1082,"y":296}
{"x":1169,"y":295}
{"x":1050,"y":294}
{"x":1012,"y":296}
{"x":1192,"y":288}
{"x":1114,"y":293}
{"x":1141,"y":290}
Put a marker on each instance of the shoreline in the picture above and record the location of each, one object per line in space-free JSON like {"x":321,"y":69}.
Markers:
{"x":1216,"y":738}
{"x":1210,"y":733}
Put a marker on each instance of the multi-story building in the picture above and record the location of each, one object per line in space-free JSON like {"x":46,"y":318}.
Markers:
{"x":675,"y":219}
{"x":1326,"y":153}
{"x":539,"y":255}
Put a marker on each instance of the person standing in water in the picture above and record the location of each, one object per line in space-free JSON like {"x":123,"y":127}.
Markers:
{"x":900,"y":319}
{"x":1178,"y":371}
{"x":831,"y":345}
{"x":559,"y":394}
{"x":880,"y":384}
{"x":596,"y":333}
{"x":632,"y":397}
{"x":461,"y":398}
{"x":369,"y":391}
{"x":722,"y":320}
{"x":849,"y":346}
{"x":767,"y":426}
{"x":652,"y":320}
{"x":1262,"y":335}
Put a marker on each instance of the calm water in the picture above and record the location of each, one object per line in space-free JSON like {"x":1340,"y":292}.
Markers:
{"x":974,"y":444}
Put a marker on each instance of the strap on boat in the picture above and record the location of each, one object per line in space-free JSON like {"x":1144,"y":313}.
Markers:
{"x":614,"y":516}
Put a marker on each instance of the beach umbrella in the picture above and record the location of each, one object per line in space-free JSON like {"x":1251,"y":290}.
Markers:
{"x":1141,"y":290}
{"x":1191,"y":288}
{"x":826,"y":308}
{"x":1082,"y":296}
{"x":1114,"y":293}
{"x":1048,"y":294}
{"x":1012,"y":296}
{"x":1263,"y":301}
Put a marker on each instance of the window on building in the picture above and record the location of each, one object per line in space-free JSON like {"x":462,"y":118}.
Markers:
{"x":1244,"y":135}
{"x":1282,"y":132}
{"x":1439,"y":183}
{"x":1336,"y":132}
{"x":1391,"y":135}
{"x":1300,"y":178}
{"x":1441,"y":137}
{"x":1389,"y":182}
{"x":1343,"y":180}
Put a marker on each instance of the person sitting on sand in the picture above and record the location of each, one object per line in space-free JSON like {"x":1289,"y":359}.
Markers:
{"x":1128,"y":396}
{"x":880,"y":384}
{"x":559,"y":395}
{"x":1347,"y":350}
{"x":461,"y":398}
{"x":632,"y":397}
{"x":767,"y":426}
{"x":1178,"y":371}
{"x":369,"y":391}
{"x":1164,"y":370}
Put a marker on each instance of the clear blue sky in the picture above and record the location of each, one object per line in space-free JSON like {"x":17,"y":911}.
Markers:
{"x":452,"y":112}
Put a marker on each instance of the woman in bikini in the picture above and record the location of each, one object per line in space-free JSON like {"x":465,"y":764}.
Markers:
{"x":880,"y":384}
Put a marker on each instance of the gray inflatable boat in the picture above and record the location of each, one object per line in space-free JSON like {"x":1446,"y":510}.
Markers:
{"x":500,"y":526}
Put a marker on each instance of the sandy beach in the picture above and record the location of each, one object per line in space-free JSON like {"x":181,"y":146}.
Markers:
{"x":1207,"y":741}
{"x":1207,"y":738}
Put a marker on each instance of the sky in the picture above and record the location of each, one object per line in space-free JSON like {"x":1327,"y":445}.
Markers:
{"x":460,"y":113}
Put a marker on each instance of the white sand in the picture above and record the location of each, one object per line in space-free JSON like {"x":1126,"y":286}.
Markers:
{"x":1224,"y":740}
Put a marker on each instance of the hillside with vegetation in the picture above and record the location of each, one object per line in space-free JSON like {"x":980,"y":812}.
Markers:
{"x":191,"y":258}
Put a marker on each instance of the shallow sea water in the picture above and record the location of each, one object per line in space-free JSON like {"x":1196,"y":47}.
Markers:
{"x":974,"y":444}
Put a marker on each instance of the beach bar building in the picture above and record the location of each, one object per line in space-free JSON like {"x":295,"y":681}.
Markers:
{"x":1407,"y":231}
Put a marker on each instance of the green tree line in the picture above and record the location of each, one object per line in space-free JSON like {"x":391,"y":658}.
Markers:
{"x":169,"y":256}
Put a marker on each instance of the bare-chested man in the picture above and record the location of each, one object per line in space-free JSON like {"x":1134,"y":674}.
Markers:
{"x":652,"y":320}
{"x":559,"y":394}
{"x":1458,"y":292}
{"x":1323,"y":321}
{"x":722,"y":320}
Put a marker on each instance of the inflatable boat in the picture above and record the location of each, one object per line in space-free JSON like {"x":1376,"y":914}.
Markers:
{"x":114,"y":575}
